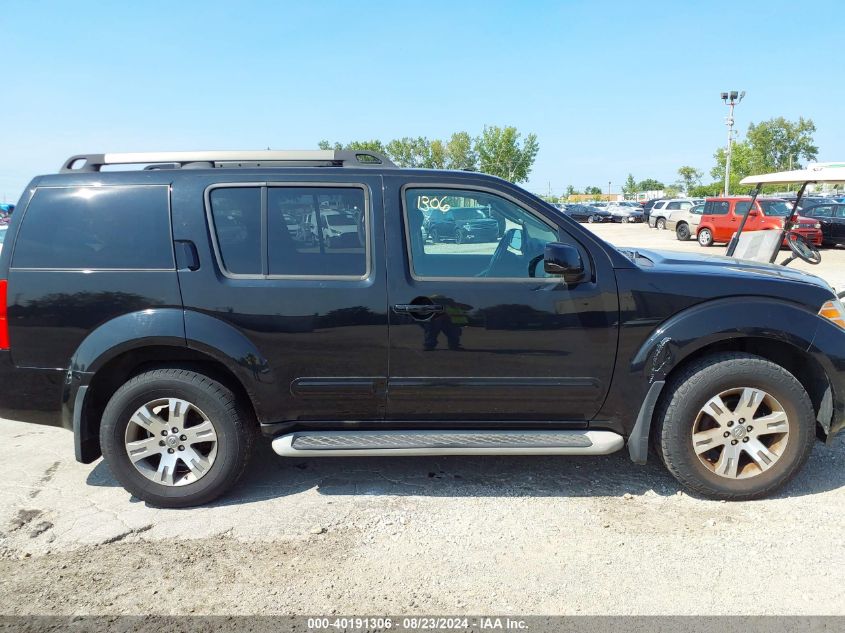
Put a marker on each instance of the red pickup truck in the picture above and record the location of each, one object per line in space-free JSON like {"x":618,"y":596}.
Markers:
{"x":722,"y":217}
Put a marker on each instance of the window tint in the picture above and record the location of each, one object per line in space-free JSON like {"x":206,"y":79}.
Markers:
{"x":237,"y":223}
{"x":697,"y":209}
{"x":673,"y":206}
{"x":496,"y":239}
{"x":840,"y":212}
{"x":316,"y":231}
{"x":658,"y":205}
{"x":685,"y":205}
{"x":715,"y":207}
{"x":96,"y":227}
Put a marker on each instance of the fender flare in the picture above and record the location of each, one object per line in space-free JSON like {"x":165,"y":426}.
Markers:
{"x":701,"y":326}
{"x":719,"y":320}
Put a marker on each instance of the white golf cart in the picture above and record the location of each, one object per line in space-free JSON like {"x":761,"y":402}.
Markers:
{"x":764,"y":246}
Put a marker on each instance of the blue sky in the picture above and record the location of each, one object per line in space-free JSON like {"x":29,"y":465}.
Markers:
{"x":608,"y":87}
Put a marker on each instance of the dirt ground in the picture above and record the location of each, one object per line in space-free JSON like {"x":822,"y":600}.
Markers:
{"x":460,"y":535}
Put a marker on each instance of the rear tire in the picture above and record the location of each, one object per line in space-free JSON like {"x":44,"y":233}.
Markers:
{"x":434,"y":234}
{"x":682,"y":232}
{"x":723,"y":455}
{"x":141,"y":418}
{"x":705,"y":237}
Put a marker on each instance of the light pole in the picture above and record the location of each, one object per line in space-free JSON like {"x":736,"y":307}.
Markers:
{"x":731,"y":99}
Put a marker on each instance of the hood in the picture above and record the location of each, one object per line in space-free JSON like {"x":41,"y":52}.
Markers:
{"x":725,"y":266}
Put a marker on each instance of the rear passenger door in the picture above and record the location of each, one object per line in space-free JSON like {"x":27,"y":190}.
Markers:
{"x":291,"y":269}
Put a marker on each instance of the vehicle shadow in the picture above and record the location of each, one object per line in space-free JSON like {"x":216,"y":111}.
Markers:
{"x":270,"y":476}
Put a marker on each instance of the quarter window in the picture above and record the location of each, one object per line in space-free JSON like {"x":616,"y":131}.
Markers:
{"x":116,"y":227}
{"x":456,"y":233}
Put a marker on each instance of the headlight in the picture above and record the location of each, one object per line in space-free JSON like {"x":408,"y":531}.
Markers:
{"x":817,"y":225}
{"x":834,"y":311}
{"x":467,"y":226}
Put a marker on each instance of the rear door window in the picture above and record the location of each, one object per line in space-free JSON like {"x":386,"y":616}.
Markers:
{"x":100,"y":228}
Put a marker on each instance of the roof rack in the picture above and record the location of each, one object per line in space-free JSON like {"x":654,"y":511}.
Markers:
{"x":210,"y":160}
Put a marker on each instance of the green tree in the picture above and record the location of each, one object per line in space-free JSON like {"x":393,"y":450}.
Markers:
{"x":703,"y":191}
{"x":368,"y":146}
{"x":742,"y":164}
{"x":410,"y":152}
{"x":779,"y":144}
{"x":592,"y":191}
{"x":501,"y":153}
{"x":630,"y":186}
{"x":650,"y":184}
{"x":437,"y":156}
{"x":690,"y":177}
{"x":460,"y":153}
{"x":571,"y":191}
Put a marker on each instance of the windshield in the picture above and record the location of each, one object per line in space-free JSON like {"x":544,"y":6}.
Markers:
{"x":777,"y":208}
{"x":467,"y":214}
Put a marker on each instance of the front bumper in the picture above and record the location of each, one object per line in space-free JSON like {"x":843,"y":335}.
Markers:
{"x":813,"y":236}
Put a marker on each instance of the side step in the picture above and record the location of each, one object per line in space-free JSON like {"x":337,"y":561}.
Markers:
{"x":361,"y":443}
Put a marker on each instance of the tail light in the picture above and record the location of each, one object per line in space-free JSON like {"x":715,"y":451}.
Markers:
{"x":4,"y":321}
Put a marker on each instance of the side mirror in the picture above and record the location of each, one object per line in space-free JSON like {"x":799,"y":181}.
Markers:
{"x":563,"y":260}
{"x":753,"y":213}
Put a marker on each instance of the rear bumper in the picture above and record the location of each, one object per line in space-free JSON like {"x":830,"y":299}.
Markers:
{"x":31,"y":395}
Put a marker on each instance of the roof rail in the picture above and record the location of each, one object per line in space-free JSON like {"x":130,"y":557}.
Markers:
{"x":210,"y":160}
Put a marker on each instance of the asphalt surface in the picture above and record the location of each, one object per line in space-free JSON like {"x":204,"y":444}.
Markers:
{"x":460,"y":535}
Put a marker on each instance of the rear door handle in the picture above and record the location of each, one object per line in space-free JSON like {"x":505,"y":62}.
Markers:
{"x":412,"y":308}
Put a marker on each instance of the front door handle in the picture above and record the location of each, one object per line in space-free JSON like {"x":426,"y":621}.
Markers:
{"x":423,"y":309}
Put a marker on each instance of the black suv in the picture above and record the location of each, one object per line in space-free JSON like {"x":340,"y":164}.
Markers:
{"x":169,"y":315}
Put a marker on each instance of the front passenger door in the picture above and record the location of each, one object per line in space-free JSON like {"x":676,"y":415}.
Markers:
{"x":475,"y":337}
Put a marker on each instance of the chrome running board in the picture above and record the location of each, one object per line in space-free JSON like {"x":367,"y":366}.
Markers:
{"x":433,"y":442}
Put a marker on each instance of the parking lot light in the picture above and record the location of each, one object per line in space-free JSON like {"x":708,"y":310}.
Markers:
{"x":731,"y":99}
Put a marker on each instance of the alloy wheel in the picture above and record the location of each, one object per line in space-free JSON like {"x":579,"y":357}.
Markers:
{"x":171,"y":442}
{"x":740,"y":433}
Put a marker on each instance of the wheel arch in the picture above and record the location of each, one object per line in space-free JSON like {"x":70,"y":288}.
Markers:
{"x":772,"y":329}
{"x":168,"y":337}
{"x":125,"y":365}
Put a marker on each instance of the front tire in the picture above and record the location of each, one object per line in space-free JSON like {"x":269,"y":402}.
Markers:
{"x":176,"y":438}
{"x":705,"y":237}
{"x":660,"y":223}
{"x":735,"y":426}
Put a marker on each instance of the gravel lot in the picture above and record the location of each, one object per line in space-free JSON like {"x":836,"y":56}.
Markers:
{"x":421,"y":535}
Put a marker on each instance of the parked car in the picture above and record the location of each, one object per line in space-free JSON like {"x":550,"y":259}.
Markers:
{"x":831,"y":218}
{"x":461,"y":225}
{"x":169,"y":346}
{"x":625,"y":213}
{"x":337,"y":227}
{"x":722,"y":216}
{"x":648,"y":205}
{"x":807,"y":201}
{"x":663,"y":210}
{"x":685,"y":222}
{"x":4,"y":227}
{"x":588,"y":213}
